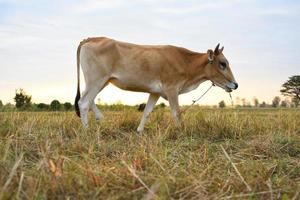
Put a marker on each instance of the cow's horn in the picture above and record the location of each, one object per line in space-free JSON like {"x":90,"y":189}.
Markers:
{"x":217,"y":49}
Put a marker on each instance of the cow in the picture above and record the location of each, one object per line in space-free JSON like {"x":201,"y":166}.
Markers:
{"x":160,"y":70}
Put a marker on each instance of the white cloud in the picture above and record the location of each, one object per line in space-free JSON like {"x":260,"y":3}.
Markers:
{"x":96,"y":5}
{"x":12,"y":1}
{"x":192,"y":7}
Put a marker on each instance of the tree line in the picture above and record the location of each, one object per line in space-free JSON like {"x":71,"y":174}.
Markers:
{"x":245,"y":103}
{"x":290,"y":89}
{"x":23,"y":103}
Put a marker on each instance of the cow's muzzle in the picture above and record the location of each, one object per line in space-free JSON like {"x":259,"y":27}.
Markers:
{"x":231,"y":86}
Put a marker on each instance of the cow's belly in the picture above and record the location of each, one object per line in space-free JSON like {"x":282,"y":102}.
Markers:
{"x":137,"y":84}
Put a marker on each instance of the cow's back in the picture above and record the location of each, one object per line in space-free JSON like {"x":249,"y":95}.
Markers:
{"x":135,"y":67}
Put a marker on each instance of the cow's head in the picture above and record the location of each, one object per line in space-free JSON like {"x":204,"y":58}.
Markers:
{"x":218,"y":70}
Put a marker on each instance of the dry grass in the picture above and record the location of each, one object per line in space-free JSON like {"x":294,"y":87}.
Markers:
{"x":217,"y":154}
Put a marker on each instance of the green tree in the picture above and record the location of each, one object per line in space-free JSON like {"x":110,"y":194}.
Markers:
{"x":1,"y":104}
{"x":222,"y":104}
{"x":67,"y":106}
{"x":276,"y":101}
{"x":55,"y":105}
{"x":291,"y":88}
{"x":22,"y":100}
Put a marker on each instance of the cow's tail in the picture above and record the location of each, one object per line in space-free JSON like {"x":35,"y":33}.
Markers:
{"x":78,"y":81}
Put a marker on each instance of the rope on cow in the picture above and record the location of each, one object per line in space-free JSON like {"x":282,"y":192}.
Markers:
{"x":194,"y":101}
{"x":231,"y":99}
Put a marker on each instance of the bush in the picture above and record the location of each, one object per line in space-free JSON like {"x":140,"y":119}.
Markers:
{"x":55,"y":105}
{"x":141,"y":107}
{"x":162,"y":105}
{"x":263,"y":104}
{"x":42,"y":106}
{"x":222,"y":104}
{"x":8,"y":107}
{"x":67,"y":106}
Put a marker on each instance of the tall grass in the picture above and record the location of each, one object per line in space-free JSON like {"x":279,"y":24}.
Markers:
{"x":50,"y":156}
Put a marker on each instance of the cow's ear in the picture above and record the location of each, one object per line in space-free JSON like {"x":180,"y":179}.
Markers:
{"x":210,"y":55}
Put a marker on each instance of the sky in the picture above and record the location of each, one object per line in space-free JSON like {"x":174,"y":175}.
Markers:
{"x":38,"y":41}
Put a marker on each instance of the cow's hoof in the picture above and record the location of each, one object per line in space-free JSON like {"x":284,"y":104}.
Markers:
{"x":140,"y":130}
{"x":99,"y":117}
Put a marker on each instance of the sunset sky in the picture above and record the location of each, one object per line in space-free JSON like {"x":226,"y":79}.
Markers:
{"x":38,"y":41}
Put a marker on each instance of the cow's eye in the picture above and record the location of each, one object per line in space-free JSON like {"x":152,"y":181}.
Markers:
{"x":223,"y":65}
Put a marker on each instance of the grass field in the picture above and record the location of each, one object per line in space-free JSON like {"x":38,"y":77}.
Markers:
{"x":217,"y":154}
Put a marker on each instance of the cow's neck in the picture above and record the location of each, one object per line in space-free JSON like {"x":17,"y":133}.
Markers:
{"x":196,"y":67}
{"x":195,"y":72}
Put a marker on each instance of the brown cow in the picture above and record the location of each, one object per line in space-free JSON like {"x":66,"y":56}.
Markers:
{"x":160,"y":70}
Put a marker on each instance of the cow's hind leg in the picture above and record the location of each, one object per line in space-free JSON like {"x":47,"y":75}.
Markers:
{"x":148,"y":109}
{"x":87,"y":100}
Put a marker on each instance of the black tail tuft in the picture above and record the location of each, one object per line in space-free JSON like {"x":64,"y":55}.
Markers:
{"x":76,"y":103}
{"x":77,"y":98}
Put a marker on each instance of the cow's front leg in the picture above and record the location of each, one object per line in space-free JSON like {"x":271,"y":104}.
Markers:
{"x":148,"y":109}
{"x":175,"y":110}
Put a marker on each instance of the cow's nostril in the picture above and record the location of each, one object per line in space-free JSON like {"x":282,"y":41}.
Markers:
{"x":236,"y":86}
